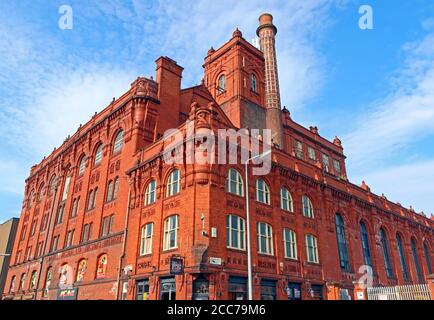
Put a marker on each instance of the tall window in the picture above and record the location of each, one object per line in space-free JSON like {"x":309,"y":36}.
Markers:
{"x":98,"y":155}
{"x":146,"y":239}
{"x":262,"y":191}
{"x":87,"y":232}
{"x":107,"y":225}
{"x":52,"y":185}
{"x":69,"y":238}
{"x":12,"y":285}
{"x":81,"y":270}
{"x":91,"y":200}
{"x":285,"y":200}
{"x":60,"y":211}
{"x":265,"y":238}
{"x":48,"y":279}
{"x":427,"y":257}
{"x":74,"y":210}
{"x":101,"y":269}
{"x":299,"y":149}
{"x":173,"y":183}
{"x":235,"y":232}
{"x":170,"y":233}
{"x":344,"y":260}
{"x":290,"y":243}
{"x":307,"y":207}
{"x":22,"y":282}
{"x":337,"y":166}
{"x":32,"y":284}
{"x":222,"y":83}
{"x":118,"y":142}
{"x":31,"y":198}
{"x":112,"y":189}
{"x":325,"y":162}
{"x":66,"y":188}
{"x":311,"y":153}
{"x":234,"y":183}
{"x":41,"y":193}
{"x":386,"y":253}
{"x":253,"y":83}
{"x":311,"y":248}
{"x":402,"y":257}
{"x":109,"y":191}
{"x":82,"y":166}
{"x":150,"y":193}
{"x":365,"y":244}
{"x":416,"y":261}
{"x":54,"y":243}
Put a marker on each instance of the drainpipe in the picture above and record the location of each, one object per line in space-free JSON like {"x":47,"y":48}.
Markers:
{"x":124,"y":243}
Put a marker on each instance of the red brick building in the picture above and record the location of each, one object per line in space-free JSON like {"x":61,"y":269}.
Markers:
{"x":104,"y":214}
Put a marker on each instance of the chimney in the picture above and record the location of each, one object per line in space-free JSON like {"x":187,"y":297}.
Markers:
{"x":266,"y":33}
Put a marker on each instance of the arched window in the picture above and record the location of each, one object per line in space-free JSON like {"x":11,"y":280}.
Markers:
{"x":365,"y":244}
{"x":82,"y":166}
{"x":52,"y":185}
{"x":81,"y":269}
{"x":118,"y":142}
{"x":115,"y":188}
{"x":416,"y":261}
{"x":32,"y":284}
{"x":222,"y":83}
{"x":262,"y":191}
{"x":98,"y":155}
{"x":290,"y":243}
{"x":427,"y":257}
{"x":22,"y":282}
{"x":12,"y":285}
{"x":234,"y":183}
{"x":402,"y":259}
{"x":31,"y":198}
{"x":101,"y":269}
{"x":311,"y":248}
{"x":110,"y":191}
{"x":386,"y":253}
{"x":146,"y":239}
{"x":173,"y":183}
{"x":307,"y":207}
{"x":150,"y":193}
{"x":65,"y":278}
{"x":48,"y":279}
{"x":344,"y":260}
{"x":171,"y":225}
{"x":41,"y":193}
{"x":253,"y":83}
{"x":235,"y":232}
{"x":265,"y":238}
{"x":285,"y":200}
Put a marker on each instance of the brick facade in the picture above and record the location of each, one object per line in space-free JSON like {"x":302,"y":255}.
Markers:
{"x":115,"y":268}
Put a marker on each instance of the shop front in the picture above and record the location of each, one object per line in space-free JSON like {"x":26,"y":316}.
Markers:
{"x":142,"y":289}
{"x":237,"y":288}
{"x":200,"y":288}
{"x":293,"y":290}
{"x":167,"y":288}
{"x":268,"y":289}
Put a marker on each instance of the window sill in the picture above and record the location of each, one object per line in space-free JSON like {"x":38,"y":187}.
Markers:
{"x":236,"y":250}
{"x":267,"y":255}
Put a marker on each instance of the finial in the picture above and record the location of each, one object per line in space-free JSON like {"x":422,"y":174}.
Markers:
{"x":337,"y":142}
{"x":237,"y":33}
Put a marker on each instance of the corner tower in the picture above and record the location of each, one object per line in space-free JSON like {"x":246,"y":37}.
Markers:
{"x":235,"y":77}
{"x":267,"y":33}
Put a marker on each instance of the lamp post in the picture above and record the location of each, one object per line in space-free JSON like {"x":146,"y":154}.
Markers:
{"x":249,"y":253}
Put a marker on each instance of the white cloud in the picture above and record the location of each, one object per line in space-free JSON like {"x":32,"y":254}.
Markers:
{"x":411,"y":184}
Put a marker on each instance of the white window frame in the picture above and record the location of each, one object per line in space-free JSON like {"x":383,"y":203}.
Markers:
{"x":268,"y":235}
{"x":240,"y":232}
{"x":239,"y":183}
{"x":171,"y":183}
{"x":169,"y":230}
{"x":311,"y":153}
{"x":311,"y":244}
{"x":307,"y":204}
{"x":265,"y":191}
{"x":290,"y":243}
{"x":146,"y":239}
{"x":151,"y":193}
{"x":286,"y":198}
{"x":326,"y":162}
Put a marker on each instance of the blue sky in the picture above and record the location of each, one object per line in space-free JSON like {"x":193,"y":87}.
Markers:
{"x":372,"y":88}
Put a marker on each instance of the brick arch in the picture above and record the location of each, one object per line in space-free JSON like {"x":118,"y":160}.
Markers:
{"x":112,"y":137}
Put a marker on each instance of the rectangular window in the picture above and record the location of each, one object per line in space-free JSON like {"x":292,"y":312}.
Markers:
{"x":28,"y":253}
{"x":69,"y":238}
{"x":299,"y":149}
{"x":75,"y":205}
{"x":107,"y":225}
{"x":146,"y":239}
{"x":33,"y":227}
{"x":265,"y":238}
{"x":39,"y":249}
{"x":235,"y":232}
{"x":325,"y":162}
{"x":312,"y":249}
{"x":66,"y":188}
{"x":87,"y":232}
{"x":290,"y":244}
{"x":44,"y":222}
{"x":337,"y":167}
{"x":170,"y":233}
{"x":311,"y":153}
{"x":54,"y":243}
{"x":59,"y":217}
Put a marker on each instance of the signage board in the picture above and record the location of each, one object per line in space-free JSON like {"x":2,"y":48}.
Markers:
{"x":176,"y":266}
{"x":67,"y":294}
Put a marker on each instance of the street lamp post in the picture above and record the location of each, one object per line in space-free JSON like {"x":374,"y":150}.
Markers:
{"x":249,"y":251}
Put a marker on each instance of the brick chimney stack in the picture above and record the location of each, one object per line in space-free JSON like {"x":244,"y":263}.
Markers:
{"x":266,"y":33}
